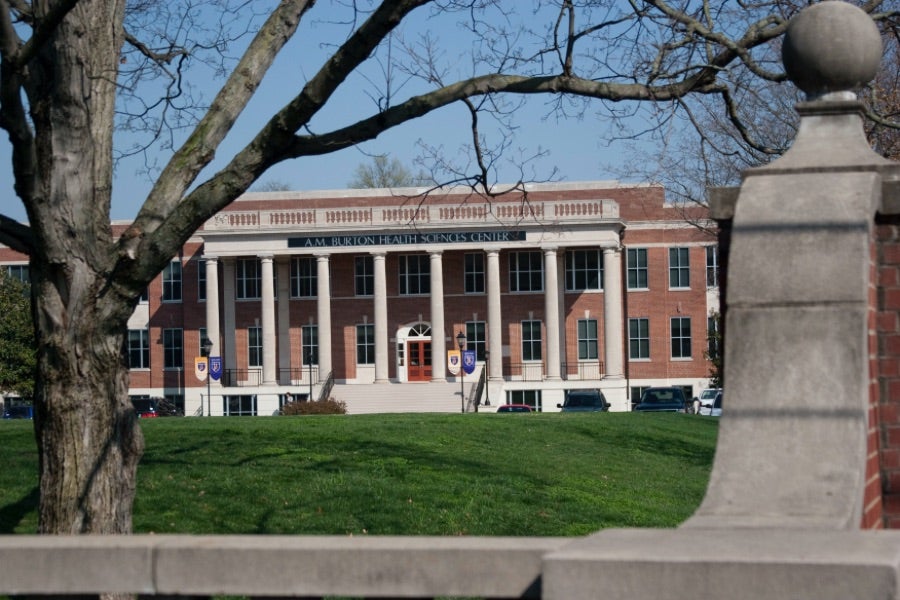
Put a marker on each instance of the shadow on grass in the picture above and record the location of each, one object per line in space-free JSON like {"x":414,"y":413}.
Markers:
{"x":12,"y":514}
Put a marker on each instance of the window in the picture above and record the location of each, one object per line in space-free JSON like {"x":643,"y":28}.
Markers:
{"x":681,"y":337}
{"x":639,"y":339}
{"x":304,"y":278}
{"x":365,"y":344}
{"x":249,"y":279}
{"x":364,"y":275}
{"x":239,"y":406}
{"x":177,"y":402}
{"x":254,"y":347}
{"x":526,"y":272}
{"x":531,"y":340}
{"x":474,"y":273}
{"x":713,"y":338}
{"x":138,"y":349}
{"x":584,"y":270}
{"x":19,"y":272}
{"x":173,"y":349}
{"x":637,"y":268}
{"x":530,"y":397}
{"x":679,"y":268}
{"x":415,"y":274}
{"x":475,"y":338}
{"x":171,"y":282}
{"x":201,"y":280}
{"x":310,"y":341}
{"x":587,"y":339}
{"x":712,"y":266}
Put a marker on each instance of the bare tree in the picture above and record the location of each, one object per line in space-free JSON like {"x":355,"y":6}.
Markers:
{"x":69,"y":65}
{"x":385,"y":172}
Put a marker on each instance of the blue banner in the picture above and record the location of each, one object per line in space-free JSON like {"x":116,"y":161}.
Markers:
{"x":468,"y":361}
{"x":215,"y":367}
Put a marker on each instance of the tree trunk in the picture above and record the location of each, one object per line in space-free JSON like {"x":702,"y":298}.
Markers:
{"x":87,"y":435}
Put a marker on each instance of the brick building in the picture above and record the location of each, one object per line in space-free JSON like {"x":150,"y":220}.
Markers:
{"x":365,"y":293}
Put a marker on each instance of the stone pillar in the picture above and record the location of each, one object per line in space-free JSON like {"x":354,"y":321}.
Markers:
{"x":495,"y":323}
{"x":613,"y":315}
{"x":382,"y":339}
{"x":551,"y":311}
{"x":323,"y":307}
{"x":212,"y":305}
{"x":438,"y":337}
{"x":267,"y":307}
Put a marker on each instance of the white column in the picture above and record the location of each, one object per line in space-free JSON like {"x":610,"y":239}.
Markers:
{"x":495,"y":325}
{"x":438,"y":338}
{"x":551,"y":312}
{"x":212,"y":304}
{"x":382,"y":351}
{"x":613,"y":321}
{"x":323,"y":306}
{"x":283,"y":268}
{"x":268,"y":320}
{"x":228,"y":320}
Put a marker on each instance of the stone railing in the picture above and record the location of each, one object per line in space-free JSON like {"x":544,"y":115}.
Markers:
{"x":420,"y":216}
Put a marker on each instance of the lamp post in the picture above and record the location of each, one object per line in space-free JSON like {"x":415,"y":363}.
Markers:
{"x":309,"y":356}
{"x":205,"y":348}
{"x":487,"y":376}
{"x":461,"y":342}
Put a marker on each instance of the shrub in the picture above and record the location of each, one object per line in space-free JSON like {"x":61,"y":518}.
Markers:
{"x":317,"y":407}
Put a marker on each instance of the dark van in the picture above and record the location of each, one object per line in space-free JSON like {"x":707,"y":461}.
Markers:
{"x":662,"y":399}
{"x":584,"y":401}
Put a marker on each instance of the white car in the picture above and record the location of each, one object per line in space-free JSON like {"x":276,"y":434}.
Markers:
{"x":711,"y":407}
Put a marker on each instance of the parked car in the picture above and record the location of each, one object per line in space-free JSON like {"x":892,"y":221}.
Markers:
{"x":584,"y":401}
{"x":514,"y":408}
{"x":145,"y":408}
{"x":662,"y":399}
{"x":714,"y":408}
{"x":19,"y":411}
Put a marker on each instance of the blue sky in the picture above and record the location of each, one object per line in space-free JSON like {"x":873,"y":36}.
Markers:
{"x":577,"y":148}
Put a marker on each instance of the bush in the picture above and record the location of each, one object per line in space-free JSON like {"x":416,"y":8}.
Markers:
{"x":318,"y":407}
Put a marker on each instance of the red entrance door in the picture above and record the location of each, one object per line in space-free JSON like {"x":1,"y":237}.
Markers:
{"x":419,"y":353}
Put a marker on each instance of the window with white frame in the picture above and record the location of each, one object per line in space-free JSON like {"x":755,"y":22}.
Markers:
{"x":681,"y":337}
{"x":365,"y":344}
{"x":712,"y":266}
{"x":19,"y":272}
{"x":476,"y":338}
{"x":248,"y":275}
{"x":173,"y":348}
{"x":239,"y":406}
{"x":531,"y":340}
{"x":639,"y":338}
{"x":587,"y":339}
{"x":415,"y":274}
{"x":530,"y":397}
{"x":474,"y":272}
{"x":584,"y":270}
{"x":304,"y":277}
{"x":364,"y":275}
{"x":201,"y":280}
{"x":713,"y":339}
{"x":171,"y":281}
{"x":637,"y":268}
{"x":526,"y":271}
{"x":679,"y":268}
{"x":138,"y":349}
{"x":310,"y":340}
{"x":254,"y":347}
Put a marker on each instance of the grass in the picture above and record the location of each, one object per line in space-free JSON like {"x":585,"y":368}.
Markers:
{"x":515,"y":474}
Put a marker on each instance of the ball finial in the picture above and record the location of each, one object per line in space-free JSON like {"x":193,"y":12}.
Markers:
{"x":830,"y":47}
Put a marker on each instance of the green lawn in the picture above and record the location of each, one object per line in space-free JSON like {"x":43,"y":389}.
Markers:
{"x":486,"y":474}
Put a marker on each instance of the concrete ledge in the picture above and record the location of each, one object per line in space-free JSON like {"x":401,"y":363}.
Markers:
{"x":738,"y":564}
{"x":410,"y":567}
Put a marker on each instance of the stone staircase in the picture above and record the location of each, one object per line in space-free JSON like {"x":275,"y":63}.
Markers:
{"x":400,"y":397}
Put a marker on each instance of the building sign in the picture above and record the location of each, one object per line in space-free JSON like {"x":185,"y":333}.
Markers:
{"x":401,"y":239}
